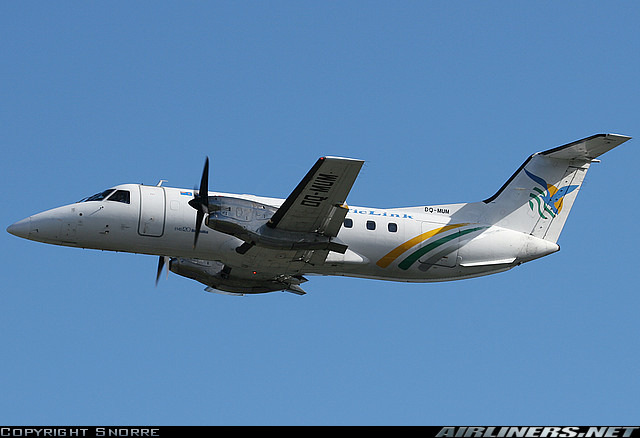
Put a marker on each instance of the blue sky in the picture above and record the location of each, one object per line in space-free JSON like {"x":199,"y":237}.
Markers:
{"x":443,"y":99}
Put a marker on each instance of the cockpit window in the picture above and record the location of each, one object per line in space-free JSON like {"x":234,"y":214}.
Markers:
{"x":120,"y":196}
{"x":98,"y":196}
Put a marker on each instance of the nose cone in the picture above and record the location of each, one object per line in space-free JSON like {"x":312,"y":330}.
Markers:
{"x":42,"y":227}
{"x":21,"y":228}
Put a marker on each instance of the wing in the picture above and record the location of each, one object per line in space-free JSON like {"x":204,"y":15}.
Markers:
{"x":317,"y":204}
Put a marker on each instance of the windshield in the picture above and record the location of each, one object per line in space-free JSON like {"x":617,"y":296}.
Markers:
{"x":98,"y":196}
{"x":120,"y":196}
{"x":123,"y":196}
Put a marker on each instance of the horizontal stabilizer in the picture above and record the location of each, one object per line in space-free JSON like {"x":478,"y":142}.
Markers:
{"x":588,"y":148}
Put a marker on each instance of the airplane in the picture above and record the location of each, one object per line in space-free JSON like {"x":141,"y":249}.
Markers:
{"x":254,"y":244}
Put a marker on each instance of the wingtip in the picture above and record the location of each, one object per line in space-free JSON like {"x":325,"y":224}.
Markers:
{"x":620,"y":136}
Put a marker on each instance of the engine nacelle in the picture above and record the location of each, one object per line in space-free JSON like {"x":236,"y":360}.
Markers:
{"x":247,"y":220}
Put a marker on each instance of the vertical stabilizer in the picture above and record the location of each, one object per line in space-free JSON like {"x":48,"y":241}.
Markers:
{"x":538,"y":197}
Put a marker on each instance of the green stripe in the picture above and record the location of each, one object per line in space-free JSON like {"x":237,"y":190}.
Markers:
{"x":539,"y":207}
{"x":406,"y":263}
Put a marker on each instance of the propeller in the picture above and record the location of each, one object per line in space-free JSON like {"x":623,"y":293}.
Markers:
{"x":161,"y":263}
{"x":200,"y":200}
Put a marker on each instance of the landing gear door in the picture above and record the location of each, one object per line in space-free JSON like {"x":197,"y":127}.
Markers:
{"x":152,"y":211}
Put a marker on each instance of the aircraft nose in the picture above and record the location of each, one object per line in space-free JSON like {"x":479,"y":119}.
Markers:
{"x":21,"y":228}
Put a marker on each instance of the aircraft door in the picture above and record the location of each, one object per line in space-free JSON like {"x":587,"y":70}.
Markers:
{"x":152,"y":211}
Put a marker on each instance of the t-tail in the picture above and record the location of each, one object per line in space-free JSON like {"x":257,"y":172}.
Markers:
{"x":537,"y":198}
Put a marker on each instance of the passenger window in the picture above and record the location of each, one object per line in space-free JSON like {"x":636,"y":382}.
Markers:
{"x":121,"y":196}
{"x":371,"y":225}
{"x":392,"y":227}
{"x":348,"y":223}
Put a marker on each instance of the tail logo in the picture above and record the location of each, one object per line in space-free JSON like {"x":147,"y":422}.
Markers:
{"x":549,"y":198}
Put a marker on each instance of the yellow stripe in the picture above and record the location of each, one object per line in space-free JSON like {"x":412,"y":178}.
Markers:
{"x":396,"y":252}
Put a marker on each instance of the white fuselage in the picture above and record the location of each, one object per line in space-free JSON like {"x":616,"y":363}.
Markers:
{"x":382,"y":243}
{"x":253,"y":244}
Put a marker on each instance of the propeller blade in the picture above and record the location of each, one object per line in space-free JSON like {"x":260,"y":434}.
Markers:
{"x":161,"y":263}
{"x":200,"y":201}
{"x":204,"y":182}
{"x":199,"y":219}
